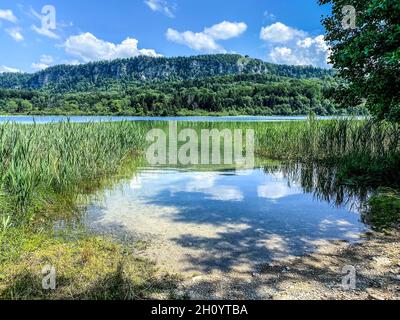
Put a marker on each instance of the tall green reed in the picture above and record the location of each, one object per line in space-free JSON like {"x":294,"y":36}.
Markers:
{"x":333,"y":139}
{"x":44,"y":164}
{"x":39,"y":162}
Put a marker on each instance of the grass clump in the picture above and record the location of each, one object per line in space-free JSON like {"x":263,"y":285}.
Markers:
{"x":86,"y":268}
{"x":383,"y":210}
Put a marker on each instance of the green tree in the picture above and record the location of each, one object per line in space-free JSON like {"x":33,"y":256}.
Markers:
{"x":11,"y":106}
{"x":116,"y":106}
{"x":367,"y":54}
{"x":24,"y":106}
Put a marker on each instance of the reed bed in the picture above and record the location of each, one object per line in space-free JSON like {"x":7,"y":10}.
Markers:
{"x":48,"y":165}
{"x":317,"y":139}
{"x":333,"y":139}
{"x":43,"y":164}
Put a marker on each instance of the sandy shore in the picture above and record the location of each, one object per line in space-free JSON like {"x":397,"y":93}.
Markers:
{"x":315,"y":276}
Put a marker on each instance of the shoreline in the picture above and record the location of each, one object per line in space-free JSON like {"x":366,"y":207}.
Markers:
{"x":315,"y":276}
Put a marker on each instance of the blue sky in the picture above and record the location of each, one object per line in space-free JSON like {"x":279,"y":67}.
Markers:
{"x":280,"y":31}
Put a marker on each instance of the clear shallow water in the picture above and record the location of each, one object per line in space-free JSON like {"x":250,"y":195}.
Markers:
{"x":221,"y":220}
{"x":49,"y":119}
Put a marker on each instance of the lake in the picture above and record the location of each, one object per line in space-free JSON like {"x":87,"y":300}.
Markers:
{"x":216,"y":218}
{"x":49,"y":119}
{"x":207,"y":221}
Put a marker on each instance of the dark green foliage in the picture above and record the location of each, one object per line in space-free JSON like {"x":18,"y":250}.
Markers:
{"x":106,"y":74}
{"x":359,"y":169}
{"x":245,"y":94}
{"x":217,"y":84}
{"x":367,"y":58}
{"x":240,"y":94}
{"x":384,"y":209}
{"x":14,"y":80}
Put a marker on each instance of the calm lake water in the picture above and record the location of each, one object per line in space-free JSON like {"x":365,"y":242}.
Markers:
{"x":205,"y":221}
{"x":49,"y":119}
{"x":208,"y":220}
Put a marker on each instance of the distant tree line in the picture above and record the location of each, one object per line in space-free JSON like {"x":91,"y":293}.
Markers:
{"x":234,"y":94}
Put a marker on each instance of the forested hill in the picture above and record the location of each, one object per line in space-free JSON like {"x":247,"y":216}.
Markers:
{"x":208,"y":84}
{"x":99,"y":75}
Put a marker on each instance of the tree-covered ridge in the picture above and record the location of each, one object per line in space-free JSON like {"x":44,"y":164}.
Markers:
{"x":217,"y":84}
{"x":233,"y":94}
{"x":14,"y":80}
{"x":100,"y":75}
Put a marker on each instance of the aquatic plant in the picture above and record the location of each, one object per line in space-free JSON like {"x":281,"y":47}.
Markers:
{"x":383,"y":210}
{"x":42,"y":165}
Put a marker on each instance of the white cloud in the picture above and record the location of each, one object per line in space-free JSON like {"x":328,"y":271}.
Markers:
{"x":8,"y":69}
{"x":197,"y":41}
{"x":73,"y":62}
{"x":46,"y":59}
{"x":207,"y":39}
{"x":8,"y":15}
{"x":318,"y":43}
{"x":276,"y":189}
{"x":15,"y":33}
{"x":161,"y":6}
{"x":296,"y":46}
{"x":278,"y":32}
{"x":225,"y":193}
{"x":207,"y":184}
{"x":285,"y":55}
{"x":226,"y":30}
{"x":39,"y":66}
{"x":42,"y":31}
{"x":33,"y":13}
{"x":45,"y":32}
{"x":45,"y":62}
{"x":89,"y":48}
{"x":305,"y":43}
{"x":201,"y":182}
{"x":308,"y":51}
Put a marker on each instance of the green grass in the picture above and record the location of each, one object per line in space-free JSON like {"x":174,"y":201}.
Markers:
{"x":383,"y":211}
{"x":46,"y":173}
{"x":362,"y":153}
{"x":86,"y":268}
